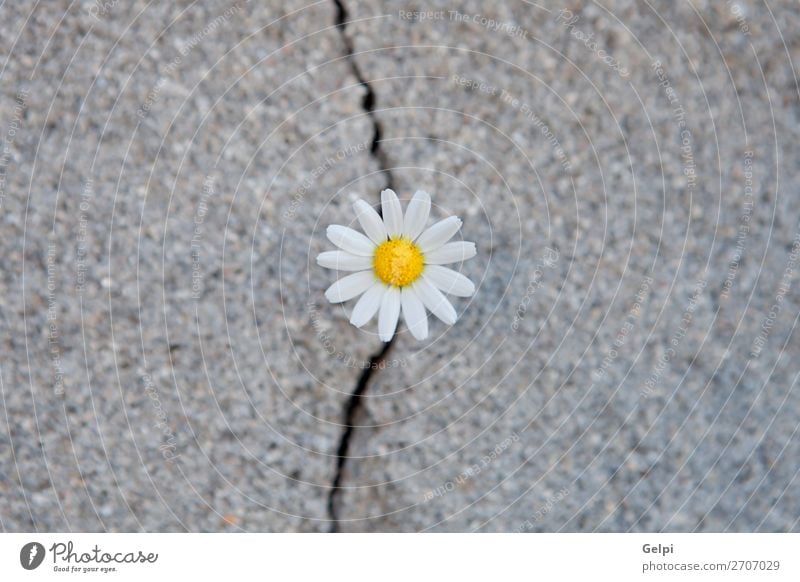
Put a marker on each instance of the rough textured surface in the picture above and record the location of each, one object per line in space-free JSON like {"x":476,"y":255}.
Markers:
{"x":167,"y":358}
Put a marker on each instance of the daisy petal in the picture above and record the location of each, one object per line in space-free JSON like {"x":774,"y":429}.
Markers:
{"x":450,"y":281}
{"x":370,"y":221}
{"x":416,"y":215}
{"x":433,"y":299}
{"x":389,"y":314}
{"x":367,"y":306}
{"x":350,"y":240}
{"x":350,"y":286}
{"x":438,"y":234}
{"x":453,"y":252}
{"x":414,"y":313}
{"x":343,"y":261}
{"x":392,"y":213}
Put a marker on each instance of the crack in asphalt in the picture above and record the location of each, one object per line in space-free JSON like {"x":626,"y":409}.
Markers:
{"x":368,"y":103}
{"x":355,"y":403}
{"x":352,"y":409}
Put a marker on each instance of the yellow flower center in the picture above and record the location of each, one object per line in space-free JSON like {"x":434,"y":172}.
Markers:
{"x":398,"y":262}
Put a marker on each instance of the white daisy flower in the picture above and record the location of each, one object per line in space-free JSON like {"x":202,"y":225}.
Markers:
{"x":398,"y":265}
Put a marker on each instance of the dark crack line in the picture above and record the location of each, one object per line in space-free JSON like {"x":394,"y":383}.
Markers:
{"x":354,"y":406}
{"x":355,"y":403}
{"x":368,"y":103}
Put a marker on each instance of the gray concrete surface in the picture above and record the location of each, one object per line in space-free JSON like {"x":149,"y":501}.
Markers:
{"x":628,"y":170}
